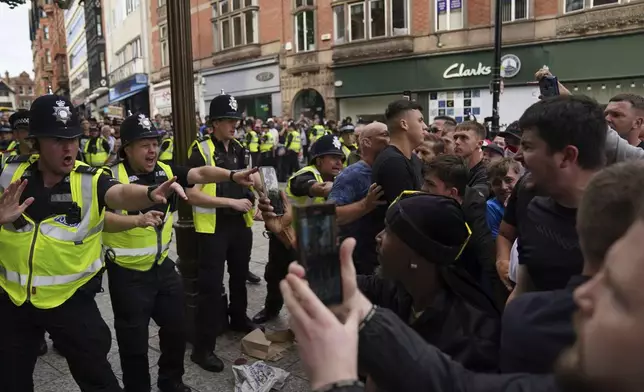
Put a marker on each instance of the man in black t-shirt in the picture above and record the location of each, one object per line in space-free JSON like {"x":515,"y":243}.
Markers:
{"x":468,"y":141}
{"x":562,"y":146}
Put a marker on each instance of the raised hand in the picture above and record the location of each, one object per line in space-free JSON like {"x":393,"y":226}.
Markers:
{"x":275,"y":224}
{"x":160,"y":195}
{"x":10,"y":207}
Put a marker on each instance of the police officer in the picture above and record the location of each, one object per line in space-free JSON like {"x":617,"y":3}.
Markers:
{"x":143,"y":281}
{"x":6,"y":138}
{"x":311,"y":184}
{"x":223,"y":216}
{"x":51,"y":260}
{"x":347,"y":135}
{"x":166,"y":154}
{"x":266,"y":147}
{"x":252,"y":143}
{"x":20,"y":145}
{"x":293,"y":148}
{"x":97,"y":149}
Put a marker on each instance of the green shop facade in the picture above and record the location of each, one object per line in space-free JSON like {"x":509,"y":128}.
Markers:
{"x":458,"y":84}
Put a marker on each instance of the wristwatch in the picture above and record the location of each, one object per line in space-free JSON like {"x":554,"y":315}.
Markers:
{"x":232,"y":173}
{"x":151,"y":189}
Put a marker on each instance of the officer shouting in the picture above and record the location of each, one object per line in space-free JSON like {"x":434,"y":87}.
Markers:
{"x":223,"y":218}
{"x":311,"y":184}
{"x":53,"y":214}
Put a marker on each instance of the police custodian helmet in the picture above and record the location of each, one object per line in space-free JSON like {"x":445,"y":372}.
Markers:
{"x":135,"y":127}
{"x":54,"y":116}
{"x":20,"y":119}
{"x":327,"y":145}
{"x":224,"y":106}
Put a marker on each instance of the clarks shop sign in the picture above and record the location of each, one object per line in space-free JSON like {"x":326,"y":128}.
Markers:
{"x":510,"y":67}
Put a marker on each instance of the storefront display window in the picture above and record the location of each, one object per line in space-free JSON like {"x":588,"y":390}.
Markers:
{"x":457,"y":104}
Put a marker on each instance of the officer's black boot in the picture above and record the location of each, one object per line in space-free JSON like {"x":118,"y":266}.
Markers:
{"x":252,"y":278}
{"x":265,"y":315}
{"x":242,"y":324}
{"x":173,"y":386}
{"x":207,"y":361}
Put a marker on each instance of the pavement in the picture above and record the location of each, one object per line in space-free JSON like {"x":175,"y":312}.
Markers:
{"x":52,"y":373}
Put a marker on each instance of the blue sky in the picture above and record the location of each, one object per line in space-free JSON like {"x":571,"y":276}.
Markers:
{"x":15,"y":46}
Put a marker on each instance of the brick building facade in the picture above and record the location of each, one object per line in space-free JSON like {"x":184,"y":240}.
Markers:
{"x":49,"y":47}
{"x":24,"y":87}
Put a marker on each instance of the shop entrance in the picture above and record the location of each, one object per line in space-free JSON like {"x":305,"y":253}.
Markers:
{"x":308,"y":102}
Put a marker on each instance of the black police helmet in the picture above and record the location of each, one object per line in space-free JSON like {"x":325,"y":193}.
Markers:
{"x":20,"y":119}
{"x":136,"y":127}
{"x":224,"y":106}
{"x":327,"y":145}
{"x":54,"y":116}
{"x":347,"y":128}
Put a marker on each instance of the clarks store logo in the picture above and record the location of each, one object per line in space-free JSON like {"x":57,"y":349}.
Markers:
{"x":458,"y":70}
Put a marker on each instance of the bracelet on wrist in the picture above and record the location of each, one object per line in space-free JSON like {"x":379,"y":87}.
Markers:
{"x":232,"y":173}
{"x":368,"y":317}
{"x":340,"y":385}
{"x":151,"y":189}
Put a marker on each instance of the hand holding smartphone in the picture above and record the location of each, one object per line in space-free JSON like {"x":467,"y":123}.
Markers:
{"x":318,"y":251}
{"x":272,"y":188}
{"x":548,"y":84}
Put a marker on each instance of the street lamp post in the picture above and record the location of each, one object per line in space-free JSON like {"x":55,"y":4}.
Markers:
{"x":496,"y":70}
{"x":183,"y":116}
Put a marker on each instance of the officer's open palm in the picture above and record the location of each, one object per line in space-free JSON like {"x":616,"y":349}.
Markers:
{"x":165,"y":190}
{"x":244,"y":177}
{"x":150,"y":219}
{"x":10,"y":207}
{"x":241,"y":205}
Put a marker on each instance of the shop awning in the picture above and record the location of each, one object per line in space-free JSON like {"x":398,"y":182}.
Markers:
{"x":128,"y":95}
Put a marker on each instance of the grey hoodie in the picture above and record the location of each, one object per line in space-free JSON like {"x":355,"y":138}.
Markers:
{"x":618,"y":149}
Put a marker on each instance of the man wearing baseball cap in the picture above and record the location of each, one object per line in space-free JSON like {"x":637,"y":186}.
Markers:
{"x":51,"y":259}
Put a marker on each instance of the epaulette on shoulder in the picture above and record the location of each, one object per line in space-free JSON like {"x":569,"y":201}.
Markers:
{"x":85,"y":169}
{"x":17,"y":159}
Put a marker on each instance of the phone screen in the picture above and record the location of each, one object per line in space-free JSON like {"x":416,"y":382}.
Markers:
{"x":317,"y":246}
{"x":272,"y":188}
{"x":548,"y":86}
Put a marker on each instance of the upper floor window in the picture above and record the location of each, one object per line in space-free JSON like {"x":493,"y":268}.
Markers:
{"x":99,"y":26}
{"x":449,"y":14}
{"x":161,"y":3}
{"x":131,"y":6}
{"x":47,"y":56}
{"x":163,"y":39}
{"x":22,"y":90}
{"x":512,"y":10}
{"x":45,"y":31}
{"x":127,"y":53}
{"x":578,"y":5}
{"x":304,"y":26}
{"x":235,"y":23}
{"x":366,"y":19}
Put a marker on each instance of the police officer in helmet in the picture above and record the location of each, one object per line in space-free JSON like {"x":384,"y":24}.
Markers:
{"x":311,"y":184}
{"x":52,"y":214}
{"x":143,"y":281}
{"x":223,"y":216}
{"x":20,"y":145}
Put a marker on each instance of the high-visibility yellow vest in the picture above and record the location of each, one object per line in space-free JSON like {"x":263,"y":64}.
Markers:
{"x":347,"y":151}
{"x":303,"y":200}
{"x":317,"y":132}
{"x":167,"y":149}
{"x":267,"y":143}
{"x":142,"y":247}
{"x":98,"y":158}
{"x":296,"y":142}
{"x":205,"y":218}
{"x":5,"y":155}
{"x":13,"y":145}
{"x":46,"y":262}
{"x":253,"y":144}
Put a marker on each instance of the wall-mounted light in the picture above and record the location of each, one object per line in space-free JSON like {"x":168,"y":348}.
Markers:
{"x":632,"y":84}
{"x":588,"y":87}
{"x":576,"y":88}
{"x":603,"y":87}
{"x":618,"y":85}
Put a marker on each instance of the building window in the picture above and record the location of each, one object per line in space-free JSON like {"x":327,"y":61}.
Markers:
{"x":162,"y":3}
{"x":47,"y":56}
{"x":163,"y":38}
{"x":304,"y":26}
{"x":131,"y":6}
{"x":449,"y":14}
{"x":368,"y":19}
{"x":22,"y":90}
{"x":99,"y":26}
{"x":31,"y":91}
{"x":512,"y":10}
{"x":101,"y":56}
{"x":45,"y":31}
{"x":578,"y":5}
{"x":234,"y":23}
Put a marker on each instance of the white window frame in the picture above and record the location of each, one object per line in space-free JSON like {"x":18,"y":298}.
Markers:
{"x":47,"y":56}
{"x":45,"y":31}
{"x":448,"y":13}
{"x":347,"y":16}
{"x":590,"y":4}
{"x":164,"y":49}
{"x":297,"y":43}
{"x":218,"y":17}
{"x":387,"y":20}
{"x":335,"y":24}
{"x":161,"y":3}
{"x":513,"y":11}
{"x":366,"y":4}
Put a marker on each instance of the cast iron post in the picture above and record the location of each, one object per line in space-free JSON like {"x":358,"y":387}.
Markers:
{"x":496,"y":69}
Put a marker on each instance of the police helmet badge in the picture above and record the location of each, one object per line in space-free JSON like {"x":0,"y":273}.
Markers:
{"x":232,"y":103}
{"x":336,"y":142}
{"x":145,"y":122}
{"x":62,"y":112}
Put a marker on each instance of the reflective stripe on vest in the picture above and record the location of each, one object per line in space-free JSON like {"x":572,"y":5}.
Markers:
{"x":46,"y":262}
{"x":304,"y":200}
{"x":205,"y":219}
{"x":141,"y":247}
{"x":98,"y":158}
{"x":296,"y":142}
{"x":168,"y":153}
{"x":253,"y":146}
{"x":267,"y":145}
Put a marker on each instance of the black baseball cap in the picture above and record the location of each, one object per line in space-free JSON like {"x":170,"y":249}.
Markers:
{"x":512,"y":130}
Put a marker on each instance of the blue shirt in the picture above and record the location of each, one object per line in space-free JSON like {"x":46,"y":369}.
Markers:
{"x":350,"y":186}
{"x":494,"y":215}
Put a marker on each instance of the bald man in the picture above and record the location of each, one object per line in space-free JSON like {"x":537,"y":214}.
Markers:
{"x":356,"y":198}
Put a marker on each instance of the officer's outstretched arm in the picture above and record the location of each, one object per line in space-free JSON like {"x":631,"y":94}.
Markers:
{"x":197,"y":198}
{"x":213,"y":174}
{"x":132,"y":197}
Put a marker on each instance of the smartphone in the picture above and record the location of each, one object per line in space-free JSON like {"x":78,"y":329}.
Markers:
{"x":272,"y":188}
{"x":549,"y":86}
{"x":317,"y":246}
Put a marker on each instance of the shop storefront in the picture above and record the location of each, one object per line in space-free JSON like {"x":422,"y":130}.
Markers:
{"x":161,"y":98}
{"x":255,"y":85}
{"x":458,"y":84}
{"x":131,"y":94}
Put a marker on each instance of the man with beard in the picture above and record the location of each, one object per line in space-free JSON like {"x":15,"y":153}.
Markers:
{"x":625,"y":114}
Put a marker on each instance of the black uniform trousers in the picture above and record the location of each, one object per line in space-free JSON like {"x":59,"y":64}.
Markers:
{"x":267,"y":159}
{"x":293,"y":163}
{"x":254,"y":158}
{"x":78,"y":331}
{"x":232,"y":242}
{"x":138,"y":296}
{"x":279,"y":258}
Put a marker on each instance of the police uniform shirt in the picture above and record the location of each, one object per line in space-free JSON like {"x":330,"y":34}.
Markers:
{"x":92,"y":145}
{"x":233,"y":159}
{"x":157,"y":176}
{"x":301,"y":185}
{"x":57,"y":199}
